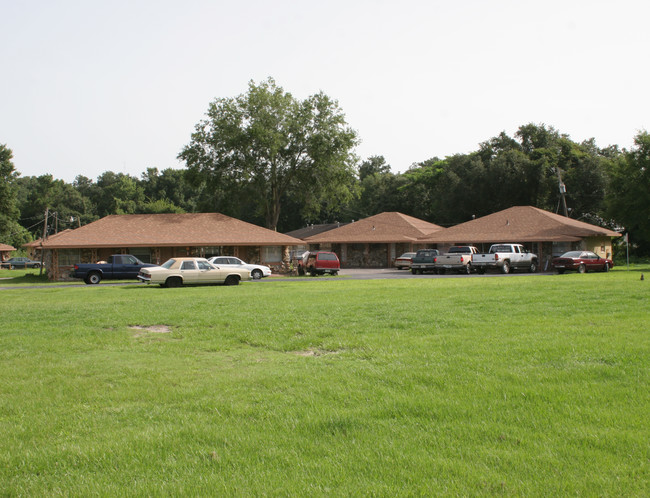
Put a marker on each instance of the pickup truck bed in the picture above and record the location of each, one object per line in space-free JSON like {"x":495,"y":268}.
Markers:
{"x":458,"y":258}
{"x":424,"y":261}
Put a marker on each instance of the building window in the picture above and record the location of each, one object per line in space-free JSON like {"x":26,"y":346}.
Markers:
{"x":142,"y":253}
{"x":560,"y":248}
{"x":210,"y":251}
{"x":68,"y":257}
{"x":272,"y":254}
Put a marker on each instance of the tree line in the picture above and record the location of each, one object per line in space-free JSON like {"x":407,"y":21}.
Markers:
{"x":268,"y":158}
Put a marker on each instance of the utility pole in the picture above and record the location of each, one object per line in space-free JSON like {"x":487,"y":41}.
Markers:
{"x":562,"y":192}
{"x":47,"y":211}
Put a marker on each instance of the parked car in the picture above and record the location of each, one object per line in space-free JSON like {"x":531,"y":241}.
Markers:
{"x":118,"y":266}
{"x":256,"y":271}
{"x":404,"y":261}
{"x":582,"y":262}
{"x":321,"y":262}
{"x":182,"y":271}
{"x":505,"y":257}
{"x":20,"y":262}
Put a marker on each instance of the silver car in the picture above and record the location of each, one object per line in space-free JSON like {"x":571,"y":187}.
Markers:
{"x":257,"y":271}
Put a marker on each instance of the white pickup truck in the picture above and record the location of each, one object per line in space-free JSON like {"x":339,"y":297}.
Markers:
{"x":457,"y":258}
{"x":505,"y":257}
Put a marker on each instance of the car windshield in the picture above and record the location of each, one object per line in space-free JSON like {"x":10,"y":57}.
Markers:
{"x":494,"y":249}
{"x":168,"y":264}
{"x":204,"y":265}
{"x":572,"y":254}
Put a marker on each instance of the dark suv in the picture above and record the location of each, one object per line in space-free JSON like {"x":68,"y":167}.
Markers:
{"x":321,"y":262}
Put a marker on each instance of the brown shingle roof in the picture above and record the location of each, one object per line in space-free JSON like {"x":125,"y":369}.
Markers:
{"x":5,"y":247}
{"x":519,"y":224}
{"x":380,"y":228}
{"x":36,"y":244}
{"x":167,"y":230}
{"x":311,"y":230}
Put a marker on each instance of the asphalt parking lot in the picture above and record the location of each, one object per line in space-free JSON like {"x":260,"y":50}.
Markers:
{"x":392,"y":273}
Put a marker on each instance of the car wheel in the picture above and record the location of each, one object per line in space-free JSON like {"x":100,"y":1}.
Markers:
{"x":533,"y":267}
{"x":560,"y":272}
{"x":174,"y":282}
{"x":335,"y":273}
{"x":506,"y":267}
{"x":468,"y":268}
{"x":606,"y":267}
{"x":93,"y":278}
{"x":256,"y":274}
{"x":582,"y":269}
{"x":231,"y":280}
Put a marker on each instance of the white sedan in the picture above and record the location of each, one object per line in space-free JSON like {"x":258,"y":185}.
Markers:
{"x":257,"y":271}
{"x":180,"y":271}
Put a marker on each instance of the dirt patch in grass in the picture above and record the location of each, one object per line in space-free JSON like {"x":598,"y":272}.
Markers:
{"x":313,"y":352}
{"x":151,"y":329}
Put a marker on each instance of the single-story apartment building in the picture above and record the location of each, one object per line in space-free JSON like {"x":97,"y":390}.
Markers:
{"x":374,"y":242}
{"x":542,"y":232}
{"x":5,"y":251}
{"x":154,"y":238}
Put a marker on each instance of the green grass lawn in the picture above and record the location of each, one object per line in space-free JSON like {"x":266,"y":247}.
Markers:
{"x":18,"y":277}
{"x":521,"y":385}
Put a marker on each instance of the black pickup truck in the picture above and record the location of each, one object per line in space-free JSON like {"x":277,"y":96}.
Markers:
{"x":118,"y":267}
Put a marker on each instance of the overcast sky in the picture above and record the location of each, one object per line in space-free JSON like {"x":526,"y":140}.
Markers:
{"x":89,"y":86}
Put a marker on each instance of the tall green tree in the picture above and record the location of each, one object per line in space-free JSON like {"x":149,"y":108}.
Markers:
{"x":116,"y":193}
{"x":377,"y":188}
{"x":8,"y":175}
{"x":629,"y":195}
{"x":65,"y":203}
{"x":374,"y":165}
{"x":11,"y":232}
{"x":170,"y":188}
{"x":265,"y":145}
{"x":508,"y":171}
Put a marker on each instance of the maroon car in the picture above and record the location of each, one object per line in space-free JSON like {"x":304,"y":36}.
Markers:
{"x":321,"y":262}
{"x":582,"y":262}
